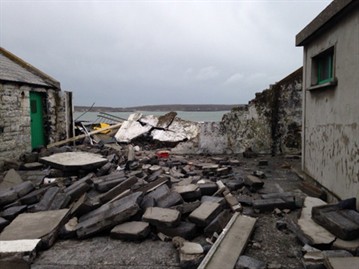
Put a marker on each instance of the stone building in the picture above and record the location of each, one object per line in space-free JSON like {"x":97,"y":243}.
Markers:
{"x":331,"y":98}
{"x":271,"y":122}
{"x":34,"y":111}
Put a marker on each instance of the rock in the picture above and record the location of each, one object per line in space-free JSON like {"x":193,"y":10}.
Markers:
{"x":32,"y":166}
{"x":214,"y":199}
{"x":170,"y":199}
{"x":46,"y":200}
{"x":191,"y":248}
{"x":69,"y":229}
{"x":162,"y":216}
{"x":7,"y":196}
{"x":205,"y":213}
{"x":246,"y":262}
{"x":134,"y":230}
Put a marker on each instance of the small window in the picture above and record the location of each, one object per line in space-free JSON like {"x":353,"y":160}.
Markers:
{"x":323,"y":67}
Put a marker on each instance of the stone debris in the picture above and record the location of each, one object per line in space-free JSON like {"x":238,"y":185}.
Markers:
{"x":135,"y":193}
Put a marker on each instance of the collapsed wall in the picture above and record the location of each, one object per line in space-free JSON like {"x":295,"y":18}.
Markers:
{"x":271,"y":122}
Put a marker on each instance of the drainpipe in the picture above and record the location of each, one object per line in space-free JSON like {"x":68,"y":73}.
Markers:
{"x":304,"y":95}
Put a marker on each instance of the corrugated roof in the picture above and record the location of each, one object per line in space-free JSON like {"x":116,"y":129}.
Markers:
{"x":15,"y":69}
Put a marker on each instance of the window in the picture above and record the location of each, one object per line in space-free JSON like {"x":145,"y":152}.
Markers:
{"x":323,"y":68}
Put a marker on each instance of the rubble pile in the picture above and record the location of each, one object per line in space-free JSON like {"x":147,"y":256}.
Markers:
{"x":118,"y":190}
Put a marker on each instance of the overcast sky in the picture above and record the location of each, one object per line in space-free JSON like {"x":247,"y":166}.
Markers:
{"x":127,"y":53}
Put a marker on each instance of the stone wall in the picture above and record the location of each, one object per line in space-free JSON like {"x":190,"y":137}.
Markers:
{"x":271,"y":122}
{"x":15,"y":130}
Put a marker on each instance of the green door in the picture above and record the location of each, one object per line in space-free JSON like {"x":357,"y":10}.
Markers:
{"x":37,"y":126}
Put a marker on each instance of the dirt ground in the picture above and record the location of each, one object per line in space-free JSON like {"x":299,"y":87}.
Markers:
{"x":278,"y":248}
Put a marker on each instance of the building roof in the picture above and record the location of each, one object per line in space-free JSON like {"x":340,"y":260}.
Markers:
{"x":14,"y":69}
{"x":330,"y":15}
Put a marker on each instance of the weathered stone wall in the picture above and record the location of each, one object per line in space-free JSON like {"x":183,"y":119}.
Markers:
{"x":15,"y":129}
{"x":270,"y":123}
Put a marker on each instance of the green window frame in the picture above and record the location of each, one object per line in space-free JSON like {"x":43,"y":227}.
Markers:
{"x":325,"y":68}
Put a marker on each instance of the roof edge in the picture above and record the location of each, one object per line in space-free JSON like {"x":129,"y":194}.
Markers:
{"x":48,"y":79}
{"x":332,"y":10}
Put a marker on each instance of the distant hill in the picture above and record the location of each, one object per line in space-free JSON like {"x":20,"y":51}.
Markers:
{"x":175,"y":107}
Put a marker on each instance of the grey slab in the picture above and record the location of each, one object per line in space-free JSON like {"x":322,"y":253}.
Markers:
{"x":108,"y":215}
{"x":246,"y":262}
{"x":73,"y":161}
{"x":271,"y":204}
{"x":254,"y":182}
{"x":46,"y":200}
{"x":133,"y":230}
{"x":162,"y":216}
{"x":11,"y":212}
{"x":185,"y":230}
{"x":169,"y":199}
{"x":205,"y":213}
{"x":123,"y":186}
{"x":7,"y":196}
{"x":3,"y":223}
{"x":342,"y":262}
{"x":40,"y":225}
{"x":218,"y":223}
{"x":11,"y":179}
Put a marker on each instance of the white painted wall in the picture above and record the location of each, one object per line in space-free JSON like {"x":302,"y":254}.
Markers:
{"x":331,"y":115}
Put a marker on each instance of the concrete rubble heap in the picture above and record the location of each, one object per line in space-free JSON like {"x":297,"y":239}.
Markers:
{"x":117,"y":189}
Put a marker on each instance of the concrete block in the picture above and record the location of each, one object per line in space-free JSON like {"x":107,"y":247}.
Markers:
{"x":185,"y":230}
{"x":11,"y":212}
{"x":218,"y":223}
{"x":134,"y":230}
{"x":120,"y":188}
{"x":162,"y":216}
{"x":208,"y":188}
{"x":191,"y":248}
{"x":108,"y":215}
{"x":170,"y":199}
{"x":188,"y":192}
{"x":45,"y":201}
{"x":271,"y":204}
{"x":187,"y":208}
{"x":205,"y":213}
{"x":215,"y":199}
{"x":254,"y":182}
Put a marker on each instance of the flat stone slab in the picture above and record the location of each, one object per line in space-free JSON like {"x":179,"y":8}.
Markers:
{"x":245,"y":262}
{"x":342,"y":262}
{"x":162,"y":216}
{"x":316,"y":233}
{"x":186,"y":230}
{"x":205,"y":213}
{"x":18,"y":246}
{"x":72,"y":161}
{"x":133,"y":230}
{"x":191,"y":248}
{"x":11,"y":179}
{"x":35,"y":226}
{"x":188,"y":192}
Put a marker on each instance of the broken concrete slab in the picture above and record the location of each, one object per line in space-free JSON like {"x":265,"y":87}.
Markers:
{"x":218,"y":224}
{"x":73,"y":161}
{"x":108,"y":215}
{"x":336,"y":218}
{"x":272,"y":203}
{"x":351,"y":246}
{"x":185,"y":230}
{"x":117,"y":190}
{"x":254,"y":182}
{"x":158,"y":216}
{"x":171,"y":198}
{"x":313,"y":231}
{"x":46,"y":200}
{"x":342,"y":262}
{"x":205,"y":213}
{"x":188,"y":192}
{"x":133,"y":230}
{"x":230,"y":244}
{"x":42,"y":225}
{"x":131,"y":129}
{"x":11,"y":179}
{"x":11,"y":212}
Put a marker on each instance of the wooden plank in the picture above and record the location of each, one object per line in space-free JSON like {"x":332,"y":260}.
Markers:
{"x":72,"y":139}
{"x":230,"y":244}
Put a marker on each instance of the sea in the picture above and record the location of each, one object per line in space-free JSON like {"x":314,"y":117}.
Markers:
{"x":197,"y":116}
